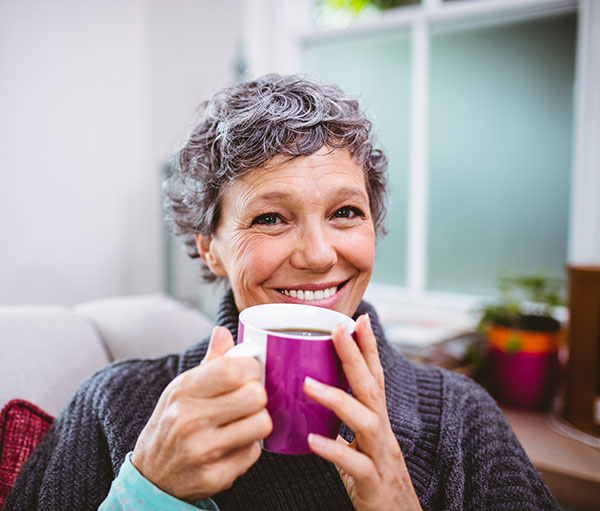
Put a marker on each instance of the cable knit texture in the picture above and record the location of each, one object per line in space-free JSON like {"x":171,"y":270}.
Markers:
{"x":459,"y":450}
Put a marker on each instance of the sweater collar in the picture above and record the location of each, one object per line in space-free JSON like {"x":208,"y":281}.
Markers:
{"x":400,"y":377}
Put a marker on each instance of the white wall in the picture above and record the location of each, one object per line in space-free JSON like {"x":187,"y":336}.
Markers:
{"x":93,"y":97}
{"x":193,"y":50}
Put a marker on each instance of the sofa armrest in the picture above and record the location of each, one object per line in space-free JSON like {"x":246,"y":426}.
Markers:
{"x":46,"y":352}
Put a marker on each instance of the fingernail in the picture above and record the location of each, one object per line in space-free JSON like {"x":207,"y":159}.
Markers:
{"x":367,"y":320}
{"x":316,"y":440}
{"x":342,"y":328}
{"x":312,"y":383}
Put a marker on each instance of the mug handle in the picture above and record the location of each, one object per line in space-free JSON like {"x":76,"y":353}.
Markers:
{"x":244,"y":349}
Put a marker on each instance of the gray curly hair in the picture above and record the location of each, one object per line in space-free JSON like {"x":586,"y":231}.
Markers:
{"x":243,"y":126}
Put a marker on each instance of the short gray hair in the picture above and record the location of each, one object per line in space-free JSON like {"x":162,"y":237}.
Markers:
{"x":243,"y":126}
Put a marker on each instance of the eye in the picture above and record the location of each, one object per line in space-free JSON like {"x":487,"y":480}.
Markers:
{"x":348,"y":212}
{"x":267,"y":219}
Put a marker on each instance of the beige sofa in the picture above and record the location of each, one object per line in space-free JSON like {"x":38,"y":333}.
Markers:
{"x":47,"y":351}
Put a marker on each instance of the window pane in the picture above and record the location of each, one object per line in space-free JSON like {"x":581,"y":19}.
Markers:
{"x":376,"y":69}
{"x":500,"y":152}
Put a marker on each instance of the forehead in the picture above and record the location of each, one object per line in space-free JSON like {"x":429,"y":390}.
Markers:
{"x":326,"y":170}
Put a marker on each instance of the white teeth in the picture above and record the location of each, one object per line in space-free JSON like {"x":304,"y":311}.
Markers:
{"x":310,"y":296}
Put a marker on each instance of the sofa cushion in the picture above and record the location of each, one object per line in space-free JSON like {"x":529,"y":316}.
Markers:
{"x":22,"y":426}
{"x":144,"y":326}
{"x":47,"y":351}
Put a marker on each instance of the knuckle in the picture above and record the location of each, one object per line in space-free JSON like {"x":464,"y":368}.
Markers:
{"x":336,"y":396}
{"x":208,"y":450}
{"x":175,"y":395}
{"x":371,"y":424}
{"x":255,"y":452}
{"x":170,"y":414}
{"x":227,"y":479}
{"x":265,"y":423}
{"x":210,"y":456}
{"x":373,"y":394}
{"x":175,"y":390}
{"x":380,"y":379}
{"x":256,"y":393}
{"x":213,"y":482}
{"x":228,"y":372}
{"x":254,"y":370}
{"x":176,"y":420}
{"x":370,"y":473}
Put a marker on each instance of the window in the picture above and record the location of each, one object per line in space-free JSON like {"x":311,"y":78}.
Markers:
{"x":500,"y":124}
{"x":490,"y":116}
{"x":475,"y":109}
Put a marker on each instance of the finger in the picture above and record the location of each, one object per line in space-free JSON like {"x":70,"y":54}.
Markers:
{"x":244,"y":431}
{"x":367,"y":343}
{"x":221,"y":341}
{"x":363,"y":383}
{"x":246,"y":400}
{"x":364,"y":422}
{"x":219,"y":376}
{"x":356,"y":464}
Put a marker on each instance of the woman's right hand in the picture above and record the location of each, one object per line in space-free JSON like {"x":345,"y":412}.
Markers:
{"x":204,"y":431}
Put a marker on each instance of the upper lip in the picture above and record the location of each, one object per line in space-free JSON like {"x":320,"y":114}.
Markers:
{"x":314,"y":287}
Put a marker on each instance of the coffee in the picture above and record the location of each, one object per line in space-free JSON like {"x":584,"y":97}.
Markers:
{"x":302,"y":332}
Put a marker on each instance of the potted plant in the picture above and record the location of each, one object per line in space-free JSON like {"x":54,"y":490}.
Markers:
{"x":523,"y":338}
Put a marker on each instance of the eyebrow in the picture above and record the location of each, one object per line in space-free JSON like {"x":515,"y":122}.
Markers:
{"x":342,"y":193}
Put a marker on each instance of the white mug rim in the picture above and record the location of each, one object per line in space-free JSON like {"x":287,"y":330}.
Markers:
{"x":250,"y":311}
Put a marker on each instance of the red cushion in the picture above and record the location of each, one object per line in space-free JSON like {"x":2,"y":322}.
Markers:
{"x":22,"y":426}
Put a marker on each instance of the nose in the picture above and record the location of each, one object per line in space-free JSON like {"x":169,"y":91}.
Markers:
{"x":315,"y":249}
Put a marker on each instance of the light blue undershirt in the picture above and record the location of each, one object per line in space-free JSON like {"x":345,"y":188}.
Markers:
{"x":131,"y":491}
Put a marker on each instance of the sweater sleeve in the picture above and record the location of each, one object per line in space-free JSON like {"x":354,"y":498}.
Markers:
{"x":131,"y":491}
{"x":498,"y":475}
{"x":74,"y":465}
{"x":70,"y":468}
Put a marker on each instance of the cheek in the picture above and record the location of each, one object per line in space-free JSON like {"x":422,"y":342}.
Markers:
{"x":255,"y":259}
{"x":359,"y":249}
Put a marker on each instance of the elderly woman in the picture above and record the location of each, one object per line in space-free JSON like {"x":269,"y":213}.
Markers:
{"x":280,"y":190}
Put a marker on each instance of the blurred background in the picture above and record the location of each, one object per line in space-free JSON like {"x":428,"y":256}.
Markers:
{"x":482,"y":105}
{"x":488,"y":109}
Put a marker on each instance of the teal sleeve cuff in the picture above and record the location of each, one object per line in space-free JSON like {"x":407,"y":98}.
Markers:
{"x":131,"y":491}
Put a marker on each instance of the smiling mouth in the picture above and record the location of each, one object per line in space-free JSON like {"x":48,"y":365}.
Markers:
{"x":311,"y":295}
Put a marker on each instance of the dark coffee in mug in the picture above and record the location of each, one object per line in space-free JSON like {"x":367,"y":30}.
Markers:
{"x":302,"y":332}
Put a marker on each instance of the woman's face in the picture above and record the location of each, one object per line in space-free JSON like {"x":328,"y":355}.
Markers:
{"x":298,"y":232}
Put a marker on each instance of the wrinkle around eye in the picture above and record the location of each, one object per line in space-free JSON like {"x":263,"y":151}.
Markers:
{"x":270,"y":228}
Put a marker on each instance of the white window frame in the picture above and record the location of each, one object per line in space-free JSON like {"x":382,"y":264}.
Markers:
{"x":275,"y":31}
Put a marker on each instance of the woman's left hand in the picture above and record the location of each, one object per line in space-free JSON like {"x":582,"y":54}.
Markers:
{"x":372,"y":467}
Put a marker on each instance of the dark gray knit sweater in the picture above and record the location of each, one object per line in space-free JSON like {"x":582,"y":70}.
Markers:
{"x":460,"y":452}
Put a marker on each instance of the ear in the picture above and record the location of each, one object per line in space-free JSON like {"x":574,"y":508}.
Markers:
{"x":208,"y":252}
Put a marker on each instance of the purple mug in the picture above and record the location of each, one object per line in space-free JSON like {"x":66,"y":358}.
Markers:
{"x":291,"y":342}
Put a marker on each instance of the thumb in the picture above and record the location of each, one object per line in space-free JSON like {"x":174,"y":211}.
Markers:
{"x":221,"y":341}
